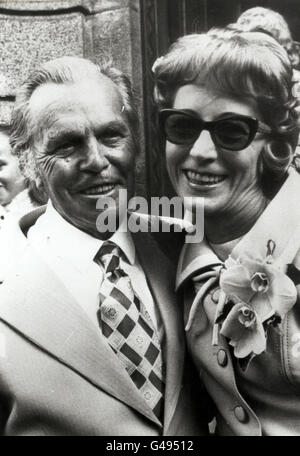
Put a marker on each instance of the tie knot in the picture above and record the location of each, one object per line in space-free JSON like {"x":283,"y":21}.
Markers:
{"x":109,"y":256}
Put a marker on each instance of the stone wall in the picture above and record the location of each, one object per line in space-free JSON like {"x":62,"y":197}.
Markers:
{"x":32,"y":32}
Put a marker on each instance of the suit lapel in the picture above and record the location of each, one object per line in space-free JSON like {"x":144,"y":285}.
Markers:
{"x":46,"y":314}
{"x":162,"y":289}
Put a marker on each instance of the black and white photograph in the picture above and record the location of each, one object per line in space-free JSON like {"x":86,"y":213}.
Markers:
{"x":150,"y":221}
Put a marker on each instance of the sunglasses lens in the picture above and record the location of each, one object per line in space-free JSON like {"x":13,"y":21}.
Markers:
{"x":233,"y":134}
{"x":181,"y":129}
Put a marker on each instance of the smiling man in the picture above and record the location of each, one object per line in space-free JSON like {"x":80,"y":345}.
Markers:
{"x":91,"y":331}
{"x":85,"y":149}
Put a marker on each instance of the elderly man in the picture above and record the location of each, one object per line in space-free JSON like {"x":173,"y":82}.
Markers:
{"x":91,"y":338}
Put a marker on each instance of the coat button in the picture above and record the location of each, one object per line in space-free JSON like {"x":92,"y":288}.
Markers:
{"x":241,"y":414}
{"x":222,"y":358}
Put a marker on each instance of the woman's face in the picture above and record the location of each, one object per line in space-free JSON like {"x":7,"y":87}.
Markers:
{"x":228,"y":180}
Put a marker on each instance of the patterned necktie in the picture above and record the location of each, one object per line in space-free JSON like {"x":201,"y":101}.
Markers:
{"x":129,"y":330}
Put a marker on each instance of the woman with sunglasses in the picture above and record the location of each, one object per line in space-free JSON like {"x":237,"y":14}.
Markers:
{"x":227,"y":112}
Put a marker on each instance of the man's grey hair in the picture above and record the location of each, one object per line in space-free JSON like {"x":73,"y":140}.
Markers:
{"x":64,"y":70}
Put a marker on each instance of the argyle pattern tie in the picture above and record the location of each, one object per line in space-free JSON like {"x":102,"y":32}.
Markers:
{"x":128,"y":328}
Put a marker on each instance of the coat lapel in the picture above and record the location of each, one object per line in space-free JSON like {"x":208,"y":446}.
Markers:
{"x":194,"y":258}
{"x":278,"y":223}
{"x":46,"y":314}
{"x":162,"y":283}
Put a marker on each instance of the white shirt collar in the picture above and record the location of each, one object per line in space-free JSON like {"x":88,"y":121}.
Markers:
{"x":80,"y":246}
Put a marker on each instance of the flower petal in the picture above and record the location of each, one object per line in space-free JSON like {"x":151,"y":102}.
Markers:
{"x":231,"y":327}
{"x":282,"y":293}
{"x":260,"y":282}
{"x":253,"y":265}
{"x":245,"y":339}
{"x":262,"y":305}
{"x":230,"y":262}
{"x":254,"y":341}
{"x":236,"y":281}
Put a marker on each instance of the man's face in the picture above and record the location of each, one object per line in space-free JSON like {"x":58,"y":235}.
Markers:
{"x":11,"y":180}
{"x":83,"y":147}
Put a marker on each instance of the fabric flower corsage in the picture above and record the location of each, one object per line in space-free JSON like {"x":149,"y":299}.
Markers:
{"x":255,"y":294}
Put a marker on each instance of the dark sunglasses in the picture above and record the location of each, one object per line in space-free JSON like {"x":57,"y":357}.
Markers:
{"x":234,"y":132}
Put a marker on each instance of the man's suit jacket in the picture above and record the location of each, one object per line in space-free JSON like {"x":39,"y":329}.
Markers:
{"x":58,"y":377}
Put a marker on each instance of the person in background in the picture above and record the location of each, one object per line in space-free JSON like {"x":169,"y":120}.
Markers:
{"x":12,"y":181}
{"x":228,"y":114}
{"x":15,"y":197}
{"x":271,"y":22}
